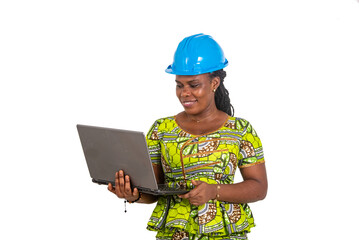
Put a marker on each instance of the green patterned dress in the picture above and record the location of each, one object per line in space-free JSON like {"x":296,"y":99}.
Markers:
{"x":212,"y":158}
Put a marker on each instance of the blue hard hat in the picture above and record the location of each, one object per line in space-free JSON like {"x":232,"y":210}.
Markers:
{"x":197,"y":54}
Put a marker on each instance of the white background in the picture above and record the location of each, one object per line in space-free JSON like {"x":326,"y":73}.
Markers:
{"x":293,"y":68}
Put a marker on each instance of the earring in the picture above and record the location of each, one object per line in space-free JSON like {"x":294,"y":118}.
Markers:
{"x":214,"y":90}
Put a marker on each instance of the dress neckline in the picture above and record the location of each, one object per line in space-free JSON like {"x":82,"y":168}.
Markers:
{"x":204,"y":134}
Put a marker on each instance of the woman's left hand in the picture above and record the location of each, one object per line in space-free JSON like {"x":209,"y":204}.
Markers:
{"x":202,"y":193}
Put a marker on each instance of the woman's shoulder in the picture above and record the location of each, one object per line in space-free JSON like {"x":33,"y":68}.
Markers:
{"x":240,"y":120}
{"x":165,"y":120}
{"x":241,"y":125}
{"x":165,"y":123}
{"x":237,"y":123}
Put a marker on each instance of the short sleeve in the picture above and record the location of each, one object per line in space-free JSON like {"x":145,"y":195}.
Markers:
{"x":251,"y":150}
{"x":153,"y":144}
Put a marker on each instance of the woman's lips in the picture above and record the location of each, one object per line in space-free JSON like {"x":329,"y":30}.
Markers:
{"x":188,"y":103}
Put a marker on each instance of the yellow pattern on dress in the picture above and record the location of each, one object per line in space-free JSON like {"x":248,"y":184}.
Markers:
{"x":212,"y":158}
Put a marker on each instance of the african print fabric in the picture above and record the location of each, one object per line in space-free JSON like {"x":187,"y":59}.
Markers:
{"x":212,"y":158}
{"x":182,"y":235}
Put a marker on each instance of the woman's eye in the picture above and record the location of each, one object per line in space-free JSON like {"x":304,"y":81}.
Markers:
{"x":194,"y":85}
{"x":178,"y":86}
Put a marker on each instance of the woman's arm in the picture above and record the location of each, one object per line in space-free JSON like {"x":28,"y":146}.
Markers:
{"x":123,"y":187}
{"x":253,"y":188}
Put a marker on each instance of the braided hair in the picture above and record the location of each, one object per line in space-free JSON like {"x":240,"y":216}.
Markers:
{"x":221,"y":97}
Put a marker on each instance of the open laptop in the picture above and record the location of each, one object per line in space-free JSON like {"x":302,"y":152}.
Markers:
{"x":109,"y":150}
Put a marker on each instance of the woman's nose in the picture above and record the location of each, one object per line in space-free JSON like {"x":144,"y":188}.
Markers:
{"x":185,"y":92}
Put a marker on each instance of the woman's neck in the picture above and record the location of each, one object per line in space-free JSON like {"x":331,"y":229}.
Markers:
{"x":204,"y":116}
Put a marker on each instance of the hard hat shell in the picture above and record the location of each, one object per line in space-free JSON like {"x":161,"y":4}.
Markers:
{"x":197,"y":54}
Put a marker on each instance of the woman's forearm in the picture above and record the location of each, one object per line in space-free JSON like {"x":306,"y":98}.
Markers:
{"x":147,"y":198}
{"x":244,"y":192}
{"x":252,"y":189}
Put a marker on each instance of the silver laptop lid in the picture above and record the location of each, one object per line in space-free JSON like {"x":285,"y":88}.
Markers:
{"x":108,"y":150}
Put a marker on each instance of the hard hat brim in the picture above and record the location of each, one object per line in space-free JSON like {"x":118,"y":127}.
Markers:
{"x":170,"y":70}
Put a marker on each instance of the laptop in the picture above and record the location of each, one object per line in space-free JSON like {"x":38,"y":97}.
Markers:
{"x":109,"y":150}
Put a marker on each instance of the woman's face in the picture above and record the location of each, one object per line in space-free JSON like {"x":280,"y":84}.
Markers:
{"x":195,"y":92}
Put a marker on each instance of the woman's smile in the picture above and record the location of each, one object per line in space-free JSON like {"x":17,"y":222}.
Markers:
{"x":188,"y":103}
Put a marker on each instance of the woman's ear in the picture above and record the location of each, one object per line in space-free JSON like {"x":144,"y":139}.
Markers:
{"x":215,"y":83}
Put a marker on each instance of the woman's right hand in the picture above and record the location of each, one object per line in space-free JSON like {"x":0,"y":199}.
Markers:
{"x":123,"y":187}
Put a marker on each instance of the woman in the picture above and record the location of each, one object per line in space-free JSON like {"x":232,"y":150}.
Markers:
{"x":201,"y":148}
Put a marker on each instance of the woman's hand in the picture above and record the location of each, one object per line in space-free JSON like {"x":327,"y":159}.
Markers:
{"x":123,"y":187}
{"x":202,"y":193}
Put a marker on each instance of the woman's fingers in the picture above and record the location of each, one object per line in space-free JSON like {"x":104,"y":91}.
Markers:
{"x":194,"y":192}
{"x":129,"y":194}
{"x":128,"y":191}
{"x":119,"y":184}
{"x":200,"y":194}
{"x":110,"y":188}
{"x":135,"y":193}
{"x":123,"y":187}
{"x":121,"y":181}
